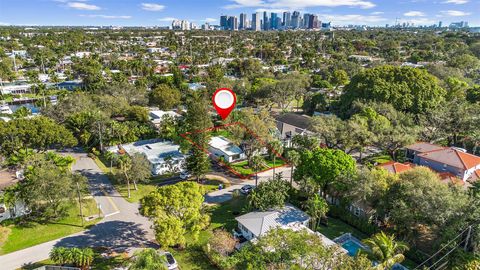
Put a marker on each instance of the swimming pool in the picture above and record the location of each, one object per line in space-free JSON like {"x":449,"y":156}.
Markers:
{"x":350,"y":243}
{"x":352,"y":247}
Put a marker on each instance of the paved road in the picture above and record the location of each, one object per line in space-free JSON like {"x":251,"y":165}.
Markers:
{"x":122,"y":228}
{"x":223,"y":195}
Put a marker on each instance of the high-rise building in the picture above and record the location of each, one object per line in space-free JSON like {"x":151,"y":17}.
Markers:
{"x":306,"y":20}
{"x":313,"y":22}
{"x":295,"y":22}
{"x":243,"y":21}
{"x":265,"y":21}
{"x":232,"y":23}
{"x":273,"y":20}
{"x":256,"y":24}
{"x":224,"y":22}
{"x":286,"y":19}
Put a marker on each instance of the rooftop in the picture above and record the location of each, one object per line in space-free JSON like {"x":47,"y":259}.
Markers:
{"x":155,"y":150}
{"x":297,"y":120}
{"x":396,"y":167}
{"x":452,"y":157}
{"x":424,"y":147}
{"x":225,"y":145}
{"x":261,"y":222}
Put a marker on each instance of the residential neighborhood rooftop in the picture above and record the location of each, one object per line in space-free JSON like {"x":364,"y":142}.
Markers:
{"x":297,"y":120}
{"x":225,"y":145}
{"x":155,"y":150}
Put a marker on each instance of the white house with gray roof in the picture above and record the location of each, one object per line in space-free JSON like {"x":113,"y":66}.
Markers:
{"x":164,"y":156}
{"x":220,"y":147}
{"x":255,"y":224}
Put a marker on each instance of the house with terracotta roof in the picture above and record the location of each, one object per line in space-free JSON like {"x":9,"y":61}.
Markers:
{"x":454,"y":161}
{"x":396,"y":167}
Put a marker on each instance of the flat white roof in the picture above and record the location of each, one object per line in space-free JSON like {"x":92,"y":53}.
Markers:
{"x":224,"y":145}
{"x":155,"y":150}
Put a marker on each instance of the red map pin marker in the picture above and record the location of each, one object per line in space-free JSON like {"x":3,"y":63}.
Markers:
{"x":224,"y":100}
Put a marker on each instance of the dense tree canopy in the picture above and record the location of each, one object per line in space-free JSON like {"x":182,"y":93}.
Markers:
{"x":407,"y":89}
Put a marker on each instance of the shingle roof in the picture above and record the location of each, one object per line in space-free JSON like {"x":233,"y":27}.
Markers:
{"x":300,"y":121}
{"x":423,"y":147}
{"x":261,"y":222}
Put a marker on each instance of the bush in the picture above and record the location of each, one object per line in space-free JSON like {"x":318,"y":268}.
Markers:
{"x":362,"y":224}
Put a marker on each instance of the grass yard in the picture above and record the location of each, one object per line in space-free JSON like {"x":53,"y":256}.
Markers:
{"x":242,"y":167}
{"x":32,"y":233}
{"x":135,"y":195}
{"x":337,"y":227}
{"x":212,"y":185}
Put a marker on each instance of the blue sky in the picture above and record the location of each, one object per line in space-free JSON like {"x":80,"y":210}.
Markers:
{"x":162,"y":12}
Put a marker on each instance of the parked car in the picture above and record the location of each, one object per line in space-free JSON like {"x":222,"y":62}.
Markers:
{"x":246,"y":189}
{"x":185,"y":175}
{"x":171,"y":262}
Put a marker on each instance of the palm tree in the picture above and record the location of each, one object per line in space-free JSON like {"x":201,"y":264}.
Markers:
{"x":294,"y":158}
{"x":276,"y":148}
{"x":256,"y":163}
{"x":385,"y":250}
{"x":57,"y":255}
{"x":110,"y":156}
{"x":148,"y":259}
{"x":83,"y":258}
{"x":125,"y":164}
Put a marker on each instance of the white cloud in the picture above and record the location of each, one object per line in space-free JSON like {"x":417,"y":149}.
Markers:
{"x":377,"y":13}
{"x":299,"y":4}
{"x":210,"y":20}
{"x":457,"y":2}
{"x":152,"y":7}
{"x":352,"y":18}
{"x":82,"y":6}
{"x":455,"y":13}
{"x":4,"y":23}
{"x":420,"y":21}
{"x":107,"y":16}
{"x":167,"y":19}
{"x":414,"y":14}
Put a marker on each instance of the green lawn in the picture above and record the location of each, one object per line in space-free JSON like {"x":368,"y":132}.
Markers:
{"x":27,"y":234}
{"x":242,"y":167}
{"x":337,"y":227}
{"x":135,"y":195}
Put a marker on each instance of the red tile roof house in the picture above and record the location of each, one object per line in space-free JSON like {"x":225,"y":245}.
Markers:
{"x":443,"y":160}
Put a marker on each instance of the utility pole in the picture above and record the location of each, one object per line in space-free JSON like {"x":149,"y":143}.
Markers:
{"x":80,"y":202}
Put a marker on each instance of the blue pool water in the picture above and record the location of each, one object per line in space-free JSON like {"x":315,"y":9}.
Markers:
{"x":352,"y":247}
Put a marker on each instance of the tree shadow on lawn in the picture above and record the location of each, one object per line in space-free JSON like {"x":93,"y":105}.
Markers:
{"x":116,"y":235}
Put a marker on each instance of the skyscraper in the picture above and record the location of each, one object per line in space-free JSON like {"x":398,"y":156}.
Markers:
{"x":265,"y":21}
{"x":232,"y":23}
{"x":243,"y":21}
{"x":295,"y":22}
{"x":286,"y":19}
{"x":256,"y":25}
{"x":440,"y":24}
{"x":224,"y":22}
{"x":273,"y":21}
{"x":313,"y":22}
{"x":306,"y":20}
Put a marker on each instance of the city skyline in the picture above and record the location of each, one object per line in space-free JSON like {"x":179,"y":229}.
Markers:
{"x":162,"y":13}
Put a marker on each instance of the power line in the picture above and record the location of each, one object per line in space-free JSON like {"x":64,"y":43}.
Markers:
{"x":446,"y":254}
{"x":460,"y":234}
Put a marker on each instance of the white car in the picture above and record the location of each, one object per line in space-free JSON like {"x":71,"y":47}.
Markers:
{"x":185,"y":175}
{"x":171,"y":262}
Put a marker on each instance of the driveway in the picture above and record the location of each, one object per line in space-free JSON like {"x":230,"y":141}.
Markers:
{"x":121,"y":229}
{"x":224,"y":195}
